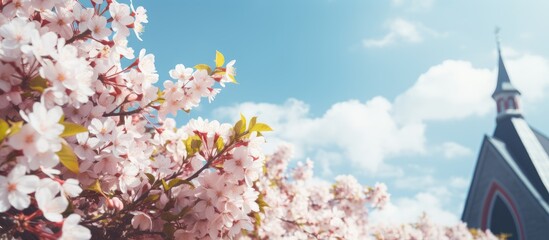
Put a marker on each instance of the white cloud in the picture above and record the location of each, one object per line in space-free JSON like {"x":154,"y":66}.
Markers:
{"x":451,"y":90}
{"x":452,"y":150}
{"x":456,"y":89}
{"x":407,"y":210}
{"x":529,"y":73}
{"x":363,"y":133}
{"x":401,"y":30}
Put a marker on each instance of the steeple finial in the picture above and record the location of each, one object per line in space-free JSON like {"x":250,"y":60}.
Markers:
{"x":496,"y":33}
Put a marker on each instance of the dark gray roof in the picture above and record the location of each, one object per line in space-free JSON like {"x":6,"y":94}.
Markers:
{"x":502,"y":149}
{"x":504,"y":83}
{"x":544,"y":140}
{"x":528,"y":152}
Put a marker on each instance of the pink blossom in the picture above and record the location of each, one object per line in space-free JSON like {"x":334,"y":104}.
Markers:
{"x":16,"y":33}
{"x":141,"y":221}
{"x":14,"y":189}
{"x":121,"y":18}
{"x":51,"y":206}
{"x":72,"y":230}
{"x":98,"y":27}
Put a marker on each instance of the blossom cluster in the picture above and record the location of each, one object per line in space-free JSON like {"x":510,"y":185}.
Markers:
{"x":87,"y":147}
{"x":295,"y":205}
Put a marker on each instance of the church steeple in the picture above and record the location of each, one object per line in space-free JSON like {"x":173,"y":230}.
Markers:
{"x":507,"y":97}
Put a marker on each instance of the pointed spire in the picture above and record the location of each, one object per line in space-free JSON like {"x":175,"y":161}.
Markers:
{"x":504,"y":82}
{"x":506,"y":96}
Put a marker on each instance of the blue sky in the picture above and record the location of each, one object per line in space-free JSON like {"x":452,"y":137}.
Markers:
{"x":396,"y":91}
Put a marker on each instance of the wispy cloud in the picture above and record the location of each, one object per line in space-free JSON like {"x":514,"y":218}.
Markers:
{"x":408,"y":209}
{"x":401,"y":30}
{"x":362,"y":133}
{"x":452,"y":150}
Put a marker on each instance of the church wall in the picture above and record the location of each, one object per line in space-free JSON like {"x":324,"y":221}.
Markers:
{"x":493,"y":168}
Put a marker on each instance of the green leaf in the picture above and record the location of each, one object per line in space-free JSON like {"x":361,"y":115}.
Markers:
{"x":203,"y":67}
{"x":219,"y":144}
{"x":219,"y":59}
{"x":38,"y":84}
{"x":152,"y":198}
{"x":261,"y":127}
{"x":177,"y":181}
{"x":72,"y":129}
{"x":174,"y":183}
{"x":4,"y":127}
{"x":150,"y":177}
{"x":165,"y":185}
{"x":68,"y":158}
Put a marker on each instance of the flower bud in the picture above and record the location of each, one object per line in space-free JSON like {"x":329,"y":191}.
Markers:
{"x":115,"y":203}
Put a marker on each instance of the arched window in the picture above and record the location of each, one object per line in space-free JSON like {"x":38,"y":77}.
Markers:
{"x":501,"y":105}
{"x":511,"y":103}
{"x":502,"y":220}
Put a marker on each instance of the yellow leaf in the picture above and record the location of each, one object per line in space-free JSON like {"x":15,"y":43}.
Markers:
{"x":150,"y":177}
{"x":204,"y":67}
{"x":38,"y":84}
{"x":192,"y":144}
{"x":68,"y":158}
{"x":165,"y":185}
{"x":15,"y":127}
{"x":232,"y":78}
{"x":72,"y":129}
{"x":176,"y":182}
{"x":252,"y":123}
{"x":261,"y":127}
{"x":219,"y":144}
{"x":236,"y":128}
{"x":96,"y":187}
{"x":243,"y":126}
{"x":219,"y":59}
{"x":4,"y":127}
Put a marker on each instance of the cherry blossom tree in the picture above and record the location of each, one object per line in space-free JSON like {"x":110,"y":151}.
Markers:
{"x":89,"y":148}
{"x":293,"y":205}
